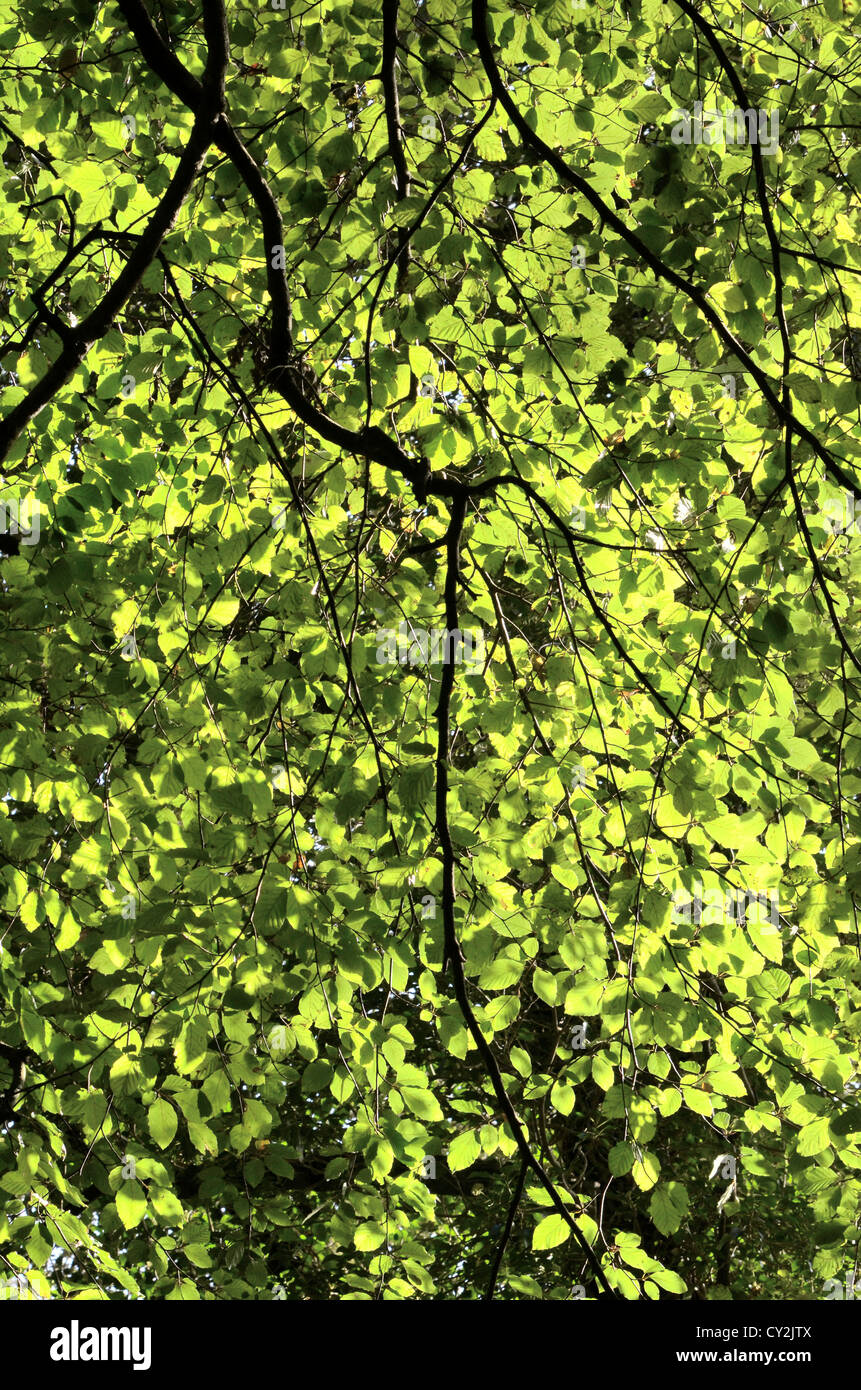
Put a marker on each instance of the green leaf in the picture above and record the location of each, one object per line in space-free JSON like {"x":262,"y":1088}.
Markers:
{"x":190,"y":1047}
{"x":697,"y":1100}
{"x":645,"y":1170}
{"x":464,"y":1151}
{"x":621,"y":1158}
{"x":131,"y":1203}
{"x":381,"y":1156}
{"x":162,"y":1122}
{"x":602,"y":1071}
{"x":553,"y":1230}
{"x":668,"y":1206}
{"x":199,"y":1256}
{"x":242,"y":818}
{"x":421,"y":1103}
{"x":369,"y":1236}
{"x":814,"y":1137}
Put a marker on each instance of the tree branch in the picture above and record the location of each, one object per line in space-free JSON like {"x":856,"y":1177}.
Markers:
{"x":451,"y":950}
{"x":390,"y":92}
{"x":648,"y":256}
{"x":506,"y":1234}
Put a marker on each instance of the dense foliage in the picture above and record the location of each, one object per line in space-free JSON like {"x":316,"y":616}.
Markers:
{"x":343,"y":957}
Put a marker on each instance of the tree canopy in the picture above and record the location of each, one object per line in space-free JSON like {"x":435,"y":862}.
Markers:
{"x":430,"y":725}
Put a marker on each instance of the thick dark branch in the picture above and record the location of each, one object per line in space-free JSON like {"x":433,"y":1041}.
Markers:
{"x":79,"y":340}
{"x":281,"y":322}
{"x":207,"y":100}
{"x":369,"y":442}
{"x":390,"y":93}
{"x":217,"y":53}
{"x":159,"y":57}
{"x":46,"y":315}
